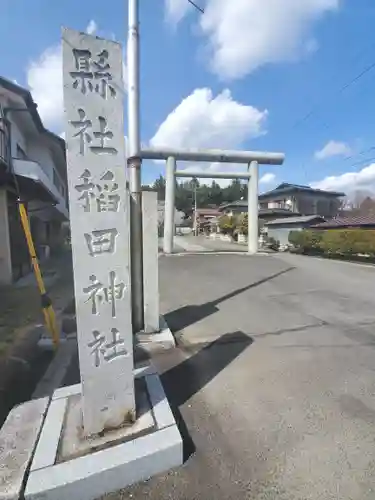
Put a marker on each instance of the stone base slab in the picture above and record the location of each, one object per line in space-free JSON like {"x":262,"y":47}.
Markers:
{"x":73,"y":445}
{"x":65,"y":465}
{"x":156,"y":342}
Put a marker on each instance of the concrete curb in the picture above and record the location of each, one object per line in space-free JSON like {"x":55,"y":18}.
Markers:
{"x":18,"y":439}
{"x":57,"y":369}
{"x":214,"y":252}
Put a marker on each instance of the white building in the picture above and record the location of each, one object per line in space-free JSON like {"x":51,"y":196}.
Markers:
{"x":33,"y":159}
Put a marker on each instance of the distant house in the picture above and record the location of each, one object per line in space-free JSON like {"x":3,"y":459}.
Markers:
{"x":32,"y":159}
{"x":304,"y":200}
{"x":203,"y":216}
{"x":349,"y":222}
{"x":290,"y":200}
{"x":234,"y":207}
{"x":279,"y":229}
{"x":265,"y":214}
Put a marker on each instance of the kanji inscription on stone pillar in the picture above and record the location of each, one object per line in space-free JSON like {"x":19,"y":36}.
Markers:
{"x":99,"y":219}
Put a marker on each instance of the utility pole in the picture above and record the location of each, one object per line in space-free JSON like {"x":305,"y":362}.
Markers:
{"x":195,"y":207}
{"x":134,"y":168}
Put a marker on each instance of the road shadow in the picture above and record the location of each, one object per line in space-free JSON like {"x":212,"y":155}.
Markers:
{"x":187,"y":378}
{"x":188,"y":315}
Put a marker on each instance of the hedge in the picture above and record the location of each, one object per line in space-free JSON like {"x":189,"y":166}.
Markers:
{"x":335,"y":241}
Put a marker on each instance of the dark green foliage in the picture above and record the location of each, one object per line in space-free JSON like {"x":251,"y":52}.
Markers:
{"x":207,"y":196}
{"x":345,"y":242}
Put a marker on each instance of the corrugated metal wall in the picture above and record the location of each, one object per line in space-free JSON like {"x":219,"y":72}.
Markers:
{"x":281,"y":234}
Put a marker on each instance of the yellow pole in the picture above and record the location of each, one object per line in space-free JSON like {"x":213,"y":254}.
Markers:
{"x":48,"y":311}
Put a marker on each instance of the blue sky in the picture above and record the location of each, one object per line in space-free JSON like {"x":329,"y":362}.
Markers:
{"x":244,"y":75}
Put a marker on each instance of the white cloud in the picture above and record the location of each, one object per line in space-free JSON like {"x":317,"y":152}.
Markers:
{"x":333,"y":148}
{"x":244,"y":35}
{"x":267,"y":178}
{"x":176,"y":9}
{"x":44,"y":77}
{"x":349,"y":182}
{"x":204,"y":121}
{"x":91,"y":27}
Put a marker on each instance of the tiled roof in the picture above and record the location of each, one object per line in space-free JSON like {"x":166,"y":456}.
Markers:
{"x":354,"y":221}
{"x":238,"y":203}
{"x":295,"y":220}
{"x":285,"y":188}
{"x":208,"y":211}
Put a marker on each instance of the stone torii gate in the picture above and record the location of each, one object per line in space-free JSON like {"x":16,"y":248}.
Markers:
{"x":252,"y":158}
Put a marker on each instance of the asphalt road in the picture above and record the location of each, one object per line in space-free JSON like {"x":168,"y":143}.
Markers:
{"x":274,"y":383}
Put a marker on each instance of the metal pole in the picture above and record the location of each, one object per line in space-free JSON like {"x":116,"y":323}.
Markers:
{"x":169,"y":206}
{"x":252,"y":200}
{"x":195,"y":208}
{"x":134,"y":169}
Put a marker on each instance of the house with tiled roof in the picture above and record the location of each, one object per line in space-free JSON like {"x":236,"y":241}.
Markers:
{"x":291,"y":200}
{"x":303,"y":200}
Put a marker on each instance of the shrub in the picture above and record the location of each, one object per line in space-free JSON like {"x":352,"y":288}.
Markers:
{"x":273,"y":244}
{"x":335,"y":241}
{"x":241,"y":224}
{"x":295,"y":238}
{"x":306,"y":240}
{"x":227,"y":224}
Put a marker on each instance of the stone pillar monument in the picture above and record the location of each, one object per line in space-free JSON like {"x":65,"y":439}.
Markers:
{"x":98,"y":200}
{"x":89,"y":439}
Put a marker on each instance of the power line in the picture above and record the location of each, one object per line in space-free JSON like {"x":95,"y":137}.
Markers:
{"x":356,"y":78}
{"x":340,"y":90}
{"x":361,"y":162}
{"x":201,"y":10}
{"x":361,"y":153}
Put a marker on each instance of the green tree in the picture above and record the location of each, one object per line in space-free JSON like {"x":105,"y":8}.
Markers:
{"x":159,"y":187}
{"x":207,"y":195}
{"x":227,"y":224}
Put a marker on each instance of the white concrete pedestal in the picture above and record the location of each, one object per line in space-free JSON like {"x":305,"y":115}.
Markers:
{"x":158,"y":341}
{"x":68,"y":465}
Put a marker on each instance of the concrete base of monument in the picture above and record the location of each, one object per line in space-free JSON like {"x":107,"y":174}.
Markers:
{"x":158,"y":341}
{"x":67,"y":465}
